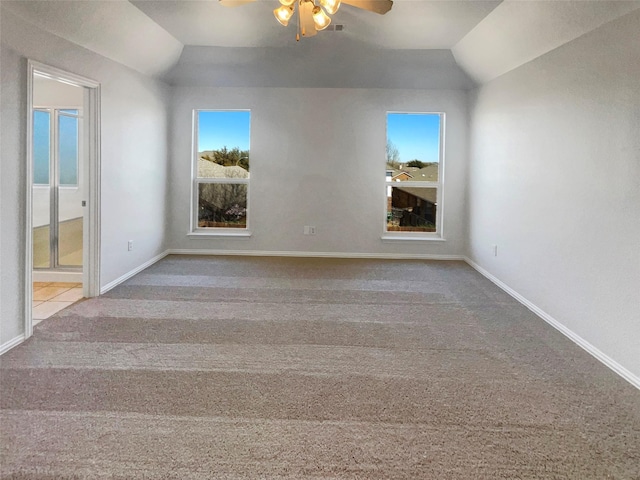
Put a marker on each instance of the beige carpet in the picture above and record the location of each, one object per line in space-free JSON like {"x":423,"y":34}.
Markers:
{"x":266,"y":368}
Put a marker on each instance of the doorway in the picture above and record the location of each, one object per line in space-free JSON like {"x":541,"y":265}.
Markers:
{"x":63,"y":198}
{"x":58,"y":186}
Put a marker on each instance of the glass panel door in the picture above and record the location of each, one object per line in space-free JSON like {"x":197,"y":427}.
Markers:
{"x":41,"y":189}
{"x":69,"y":203}
{"x":57,"y":193}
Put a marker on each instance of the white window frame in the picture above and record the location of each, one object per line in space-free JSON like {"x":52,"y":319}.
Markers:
{"x":438,"y":235}
{"x":194,"y":229}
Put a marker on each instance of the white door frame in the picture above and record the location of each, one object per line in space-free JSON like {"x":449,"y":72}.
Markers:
{"x":91,"y":224}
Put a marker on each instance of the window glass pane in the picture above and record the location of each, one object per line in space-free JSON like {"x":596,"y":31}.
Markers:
{"x":71,"y":112}
{"x":41,"y":146}
{"x":411,"y":209}
{"x":413,"y":147}
{"x":222,"y":205}
{"x":68,"y":150}
{"x":223,"y":144}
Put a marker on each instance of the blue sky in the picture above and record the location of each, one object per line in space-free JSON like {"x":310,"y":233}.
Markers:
{"x":415,"y":135}
{"x":223,"y":128}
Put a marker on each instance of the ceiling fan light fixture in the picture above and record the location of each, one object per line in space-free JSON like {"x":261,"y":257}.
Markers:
{"x":283,"y":14}
{"x":314,"y":15}
{"x":331,"y":6}
{"x":306,"y":23}
{"x":320,"y":18}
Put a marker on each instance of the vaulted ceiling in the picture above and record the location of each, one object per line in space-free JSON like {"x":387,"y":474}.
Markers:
{"x":411,"y":24}
{"x":434,"y":43}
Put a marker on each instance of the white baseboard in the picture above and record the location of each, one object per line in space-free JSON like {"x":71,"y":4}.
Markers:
{"x":266,"y":253}
{"x":133,"y":272}
{"x":574,"y":337}
{"x":52,"y":276}
{"x":5,"y":347}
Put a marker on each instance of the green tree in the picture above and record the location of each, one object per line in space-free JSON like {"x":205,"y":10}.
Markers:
{"x":416,"y":163}
{"x":228,"y":158}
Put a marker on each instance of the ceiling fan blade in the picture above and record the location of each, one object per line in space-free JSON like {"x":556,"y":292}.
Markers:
{"x":234,"y":3}
{"x":376,"y":6}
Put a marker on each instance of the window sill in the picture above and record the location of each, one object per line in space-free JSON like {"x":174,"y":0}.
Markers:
{"x":222,"y":233}
{"x":404,"y":238}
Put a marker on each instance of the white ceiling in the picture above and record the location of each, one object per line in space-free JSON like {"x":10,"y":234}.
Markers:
{"x":517,"y":32}
{"x":114,"y":29}
{"x":165,"y":38}
{"x":411,"y":24}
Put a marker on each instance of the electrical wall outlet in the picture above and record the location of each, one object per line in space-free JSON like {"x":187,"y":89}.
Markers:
{"x":309,"y":230}
{"x":130,"y":245}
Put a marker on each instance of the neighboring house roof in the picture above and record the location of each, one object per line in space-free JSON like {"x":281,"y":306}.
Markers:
{"x":208,"y":169}
{"x":428,"y":194}
{"x":402,"y":176}
{"x":425,"y":174}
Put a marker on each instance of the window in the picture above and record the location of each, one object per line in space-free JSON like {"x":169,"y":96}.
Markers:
{"x":60,"y":127}
{"x":41,"y":146}
{"x":68,"y":147}
{"x":221,"y":171}
{"x":413,"y":177}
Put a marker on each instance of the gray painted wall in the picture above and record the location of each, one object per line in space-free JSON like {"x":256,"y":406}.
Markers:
{"x":554,"y":181}
{"x":318,"y":158}
{"x":134,"y":159}
{"x":323,"y":62}
{"x":12,"y":238}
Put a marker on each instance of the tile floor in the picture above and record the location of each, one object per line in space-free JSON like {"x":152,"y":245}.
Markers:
{"x":51,"y":297}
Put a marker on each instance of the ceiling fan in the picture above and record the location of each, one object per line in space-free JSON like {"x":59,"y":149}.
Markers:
{"x":313,"y":15}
